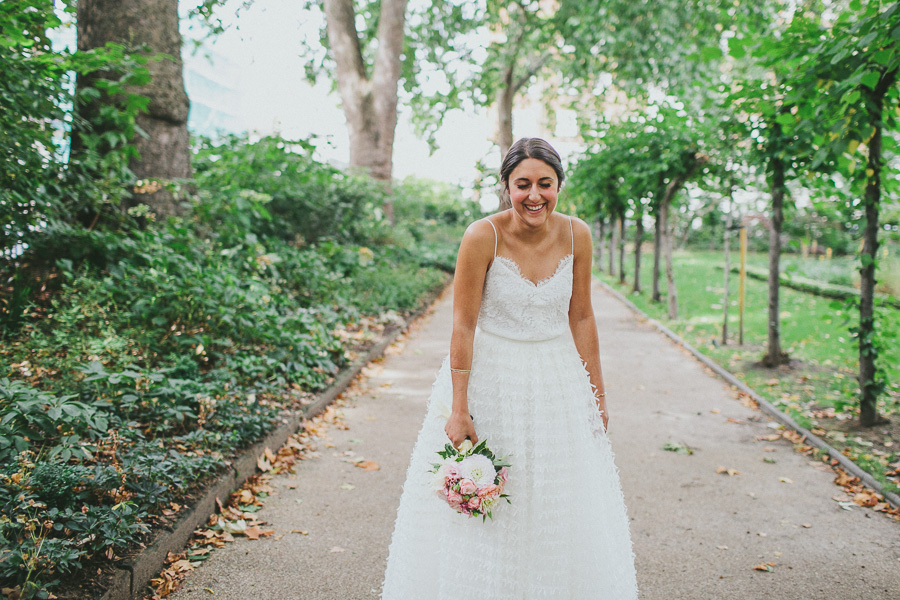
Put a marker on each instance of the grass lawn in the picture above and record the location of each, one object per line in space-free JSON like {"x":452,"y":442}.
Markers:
{"x":819,"y":387}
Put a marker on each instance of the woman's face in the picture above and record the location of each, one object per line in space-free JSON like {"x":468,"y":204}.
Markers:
{"x":533,"y":189}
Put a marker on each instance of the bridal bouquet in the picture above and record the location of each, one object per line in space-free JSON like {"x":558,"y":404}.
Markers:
{"x":470,"y":479}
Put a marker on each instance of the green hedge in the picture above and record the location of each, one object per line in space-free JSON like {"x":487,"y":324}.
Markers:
{"x":826,"y":290}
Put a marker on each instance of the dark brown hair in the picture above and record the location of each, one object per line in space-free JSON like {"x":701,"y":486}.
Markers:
{"x":530,"y":148}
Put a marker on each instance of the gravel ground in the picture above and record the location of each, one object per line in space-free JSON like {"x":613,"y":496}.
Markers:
{"x":697,"y":533}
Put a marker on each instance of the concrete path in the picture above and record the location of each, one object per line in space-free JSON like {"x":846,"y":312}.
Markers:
{"x":697,"y":533}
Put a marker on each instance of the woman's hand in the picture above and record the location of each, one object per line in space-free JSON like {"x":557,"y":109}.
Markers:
{"x":459,"y":427}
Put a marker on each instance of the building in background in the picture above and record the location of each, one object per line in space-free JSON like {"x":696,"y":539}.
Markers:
{"x":213,"y":84}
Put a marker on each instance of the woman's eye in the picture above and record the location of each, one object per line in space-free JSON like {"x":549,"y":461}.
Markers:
{"x":523,"y":187}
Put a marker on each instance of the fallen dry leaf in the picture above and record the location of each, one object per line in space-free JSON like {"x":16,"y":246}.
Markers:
{"x":765,"y":567}
{"x":300,"y":531}
{"x":368,"y":465}
{"x":785,"y":480}
{"x":866,"y":498}
{"x":183,"y":565}
{"x":348,"y":486}
{"x":254,"y":533}
{"x":729,"y":472}
{"x":263,"y":463}
{"x":336,"y":549}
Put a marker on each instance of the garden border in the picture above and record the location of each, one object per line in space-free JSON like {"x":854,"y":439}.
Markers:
{"x":810,"y":286}
{"x":131,"y":577}
{"x":772,"y":410}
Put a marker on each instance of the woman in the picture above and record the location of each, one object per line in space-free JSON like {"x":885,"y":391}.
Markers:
{"x":524,"y":374}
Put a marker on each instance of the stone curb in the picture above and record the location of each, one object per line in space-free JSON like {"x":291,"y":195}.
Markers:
{"x":132,"y":576}
{"x":767,"y":407}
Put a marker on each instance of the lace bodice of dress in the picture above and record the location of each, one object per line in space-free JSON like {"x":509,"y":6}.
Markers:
{"x":516,"y":308}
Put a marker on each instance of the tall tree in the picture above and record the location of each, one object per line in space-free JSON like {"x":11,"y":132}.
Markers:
{"x":858,"y":59}
{"x":163,"y":147}
{"x":368,"y":93}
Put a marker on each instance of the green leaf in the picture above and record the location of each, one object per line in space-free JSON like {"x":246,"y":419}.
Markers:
{"x":711,"y":53}
{"x":785,"y":119}
{"x":870,"y":79}
{"x":736,"y":47}
{"x":883,"y":57}
{"x":867,"y":39}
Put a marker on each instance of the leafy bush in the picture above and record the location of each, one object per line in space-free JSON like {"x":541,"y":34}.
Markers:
{"x":145,"y":358}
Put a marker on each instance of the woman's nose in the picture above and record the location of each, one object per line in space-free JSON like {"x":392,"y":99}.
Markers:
{"x":534,"y":194}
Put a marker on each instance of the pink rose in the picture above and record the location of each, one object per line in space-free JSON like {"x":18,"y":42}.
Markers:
{"x":451,"y":473}
{"x":489,"y":491}
{"x":467,"y":487}
{"x":475,"y":503}
{"x":503,"y":474}
{"x":454,"y":499}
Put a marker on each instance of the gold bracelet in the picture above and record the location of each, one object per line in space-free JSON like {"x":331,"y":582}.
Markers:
{"x":452,"y":370}
{"x":600,"y":395}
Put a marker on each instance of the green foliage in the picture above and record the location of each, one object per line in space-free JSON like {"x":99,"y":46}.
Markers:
{"x":630,"y":166}
{"x":160,"y":352}
{"x":39,"y":184}
{"x":313,"y":201}
{"x":34,"y":418}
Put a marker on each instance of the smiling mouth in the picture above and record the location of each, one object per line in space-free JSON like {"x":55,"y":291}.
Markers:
{"x":534,"y":208}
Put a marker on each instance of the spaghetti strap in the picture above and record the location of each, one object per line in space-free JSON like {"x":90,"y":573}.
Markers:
{"x":571,"y":231}
{"x":495,"y":235}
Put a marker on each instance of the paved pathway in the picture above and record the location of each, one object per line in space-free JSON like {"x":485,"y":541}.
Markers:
{"x":697,"y":533}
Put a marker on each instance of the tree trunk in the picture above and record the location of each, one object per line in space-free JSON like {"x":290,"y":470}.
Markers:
{"x":507,"y":93}
{"x":601,"y":226}
{"x":656,"y":296}
{"x":369,"y":102}
{"x":613,"y":244}
{"x":622,"y":250}
{"x":638,"y":240}
{"x":870,"y":383}
{"x":165,"y":153}
{"x":774,"y":355}
{"x":726,"y":240}
{"x":505,"y":96}
{"x":665,"y":230}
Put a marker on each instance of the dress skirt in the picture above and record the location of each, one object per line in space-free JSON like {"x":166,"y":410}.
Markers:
{"x":564,"y":535}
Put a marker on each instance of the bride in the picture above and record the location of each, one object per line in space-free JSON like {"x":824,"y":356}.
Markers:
{"x":523,"y":374}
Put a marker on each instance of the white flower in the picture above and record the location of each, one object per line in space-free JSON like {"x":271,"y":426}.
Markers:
{"x":479,"y":469}
{"x":465,"y":446}
{"x":440,"y":477}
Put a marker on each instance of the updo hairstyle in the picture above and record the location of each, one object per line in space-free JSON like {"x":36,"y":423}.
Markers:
{"x":530,"y":148}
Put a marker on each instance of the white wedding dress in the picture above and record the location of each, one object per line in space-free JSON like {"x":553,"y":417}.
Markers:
{"x":565,"y":535}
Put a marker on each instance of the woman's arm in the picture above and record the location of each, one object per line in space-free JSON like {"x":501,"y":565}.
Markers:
{"x":475,"y":255}
{"x":581,"y":314}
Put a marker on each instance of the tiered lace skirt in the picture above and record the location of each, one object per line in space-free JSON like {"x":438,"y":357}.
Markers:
{"x":565,"y":535}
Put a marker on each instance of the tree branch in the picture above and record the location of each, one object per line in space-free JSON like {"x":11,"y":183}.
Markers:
{"x":344,"y":40}
{"x":533,"y":68}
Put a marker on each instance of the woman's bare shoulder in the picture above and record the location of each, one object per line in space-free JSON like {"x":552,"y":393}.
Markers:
{"x":479,"y":236}
{"x":582,"y":233}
